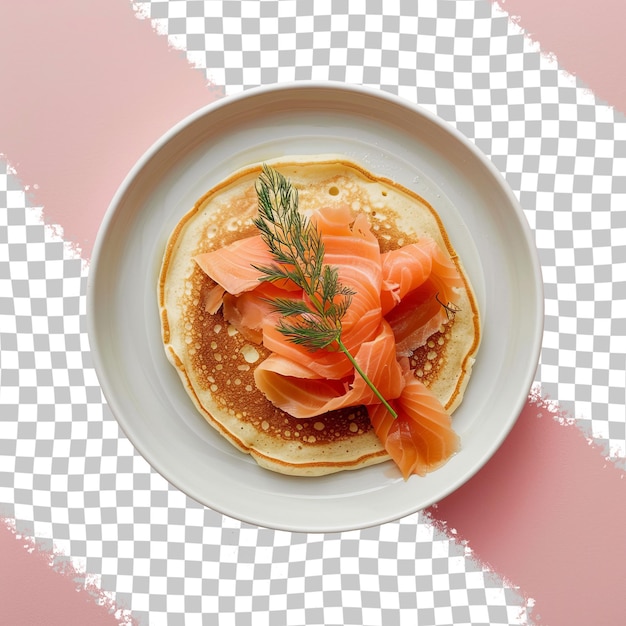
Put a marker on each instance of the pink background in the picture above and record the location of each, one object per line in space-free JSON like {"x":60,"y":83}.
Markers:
{"x":111,"y":101}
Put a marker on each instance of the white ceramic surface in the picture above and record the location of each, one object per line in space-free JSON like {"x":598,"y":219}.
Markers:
{"x":390,"y":136}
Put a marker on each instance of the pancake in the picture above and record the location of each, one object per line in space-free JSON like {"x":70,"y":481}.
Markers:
{"x":217,"y":362}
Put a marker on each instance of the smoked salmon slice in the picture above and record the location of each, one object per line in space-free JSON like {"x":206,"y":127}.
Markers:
{"x":302,"y":392}
{"x":418,"y":316}
{"x":251,"y":310}
{"x":233,"y":266}
{"x":421,"y":438}
{"x":409,"y":267}
{"x":396,"y":306}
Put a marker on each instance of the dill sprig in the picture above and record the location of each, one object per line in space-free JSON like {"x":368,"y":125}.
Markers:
{"x":297,"y":248}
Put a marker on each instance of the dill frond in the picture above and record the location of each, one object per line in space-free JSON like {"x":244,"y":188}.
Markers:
{"x":297,"y":248}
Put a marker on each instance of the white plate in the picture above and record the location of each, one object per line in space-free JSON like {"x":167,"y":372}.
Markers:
{"x":393,"y":138}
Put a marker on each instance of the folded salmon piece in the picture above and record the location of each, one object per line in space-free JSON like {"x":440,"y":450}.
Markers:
{"x":421,"y":438}
{"x":232,"y":267}
{"x":411,"y":266}
{"x":301,"y":392}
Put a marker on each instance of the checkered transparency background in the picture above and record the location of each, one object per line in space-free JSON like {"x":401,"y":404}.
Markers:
{"x":67,"y":473}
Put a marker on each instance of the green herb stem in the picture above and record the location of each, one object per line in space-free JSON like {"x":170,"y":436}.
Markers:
{"x":365,"y":377}
{"x":297,"y":248}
